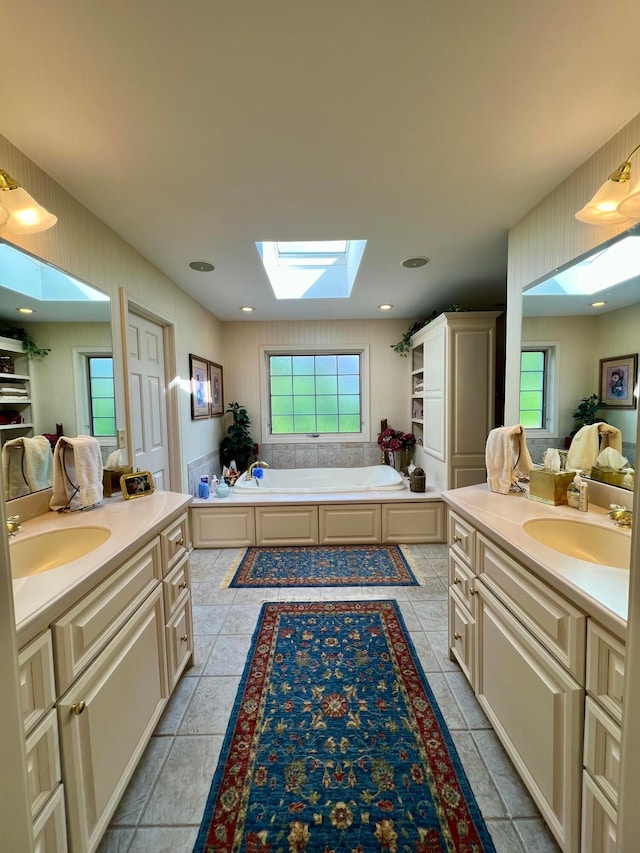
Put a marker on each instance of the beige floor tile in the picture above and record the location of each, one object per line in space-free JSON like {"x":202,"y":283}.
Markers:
{"x":139,"y":789}
{"x":504,"y":836}
{"x":229,"y":655}
{"x":484,"y":790}
{"x":536,"y":836}
{"x":116,"y":841}
{"x":513,"y":792}
{"x":166,"y":839}
{"x":210,"y":706}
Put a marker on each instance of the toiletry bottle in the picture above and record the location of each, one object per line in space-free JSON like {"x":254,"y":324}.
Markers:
{"x":573,"y":493}
{"x":203,"y":488}
{"x":583,"y":502}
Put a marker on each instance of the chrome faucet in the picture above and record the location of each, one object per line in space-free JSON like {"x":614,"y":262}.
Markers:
{"x":255,"y":465}
{"x":622,"y":516}
{"x":13,"y":524}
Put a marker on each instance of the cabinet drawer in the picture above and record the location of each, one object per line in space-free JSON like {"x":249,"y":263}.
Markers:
{"x":43,"y":762}
{"x":602,"y":749}
{"x":175,"y":586}
{"x":462,"y":636}
{"x":37,"y":687}
{"x":404,"y":523}
{"x":349,"y":524}
{"x":50,"y":827}
{"x":554,"y":621}
{"x":86,"y":629}
{"x":179,"y":632}
{"x":461,"y":538}
{"x":605,"y":669}
{"x":174,"y":541}
{"x":599,"y":819}
{"x":223,"y":526}
{"x":463,"y":580}
{"x":287,"y":525}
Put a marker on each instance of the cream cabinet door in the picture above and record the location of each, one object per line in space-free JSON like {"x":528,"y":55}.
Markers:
{"x":107,"y":717}
{"x":537,"y":709}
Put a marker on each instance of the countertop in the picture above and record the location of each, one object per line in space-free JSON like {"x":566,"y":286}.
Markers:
{"x":601,"y":592}
{"x":40,"y":599}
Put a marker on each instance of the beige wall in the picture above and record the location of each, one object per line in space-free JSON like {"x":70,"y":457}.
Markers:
{"x":389,"y":382}
{"x":83,"y":245}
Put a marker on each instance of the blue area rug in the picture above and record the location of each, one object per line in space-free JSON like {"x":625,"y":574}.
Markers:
{"x":319,"y":565}
{"x":336,"y":744}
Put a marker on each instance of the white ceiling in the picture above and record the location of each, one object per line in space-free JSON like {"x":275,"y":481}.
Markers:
{"x":194,"y":129}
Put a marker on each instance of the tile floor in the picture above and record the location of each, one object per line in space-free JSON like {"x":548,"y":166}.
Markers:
{"x":163,"y":805}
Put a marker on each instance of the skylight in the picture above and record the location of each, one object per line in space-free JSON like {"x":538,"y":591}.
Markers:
{"x":28,"y":276}
{"x":314,"y":269}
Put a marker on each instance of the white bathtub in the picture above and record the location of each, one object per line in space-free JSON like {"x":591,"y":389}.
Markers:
{"x":374,"y":478}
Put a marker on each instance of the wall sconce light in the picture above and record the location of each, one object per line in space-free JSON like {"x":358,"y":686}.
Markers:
{"x":19,"y":212}
{"x":616,"y":201}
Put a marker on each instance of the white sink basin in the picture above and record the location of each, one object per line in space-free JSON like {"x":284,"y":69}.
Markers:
{"x":41,"y":552}
{"x":582,"y":540}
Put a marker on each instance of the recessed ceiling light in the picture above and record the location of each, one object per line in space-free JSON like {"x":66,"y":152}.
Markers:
{"x":597,"y":304}
{"x":26,"y":310}
{"x":413,"y":263}
{"x":385,"y":307}
{"x":202,"y":266}
{"x":247,"y":308}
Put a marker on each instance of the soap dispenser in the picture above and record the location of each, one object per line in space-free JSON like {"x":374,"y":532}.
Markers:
{"x":573,"y":492}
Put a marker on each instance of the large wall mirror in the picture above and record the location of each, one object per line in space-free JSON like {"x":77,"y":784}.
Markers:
{"x":71,"y":389}
{"x":580,"y":315}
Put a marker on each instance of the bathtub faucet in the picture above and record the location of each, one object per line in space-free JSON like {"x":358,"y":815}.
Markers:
{"x":255,"y":465}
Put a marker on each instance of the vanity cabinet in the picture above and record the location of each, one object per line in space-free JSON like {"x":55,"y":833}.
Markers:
{"x":15,"y":407}
{"x":94,"y":686}
{"x":522,"y":647}
{"x":602,"y":737}
{"x":44,"y":775}
{"x":452,"y":364}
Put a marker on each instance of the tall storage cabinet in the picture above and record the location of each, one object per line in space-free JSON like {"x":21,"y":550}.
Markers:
{"x":15,"y":392}
{"x":452,"y":364}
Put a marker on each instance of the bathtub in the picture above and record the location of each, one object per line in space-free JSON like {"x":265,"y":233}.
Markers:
{"x":373,"y":478}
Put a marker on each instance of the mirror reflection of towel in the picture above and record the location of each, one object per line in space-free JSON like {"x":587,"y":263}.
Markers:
{"x":77,"y":473}
{"x":27,"y":464}
{"x":585,"y":445}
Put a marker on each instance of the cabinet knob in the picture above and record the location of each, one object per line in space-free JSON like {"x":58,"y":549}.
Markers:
{"x":182,"y":585}
{"x":180,"y":541}
{"x":456,"y":580}
{"x":457,"y":636}
{"x":77,"y":708}
{"x":457,"y":538}
{"x":184,"y":638}
{"x":473,"y":591}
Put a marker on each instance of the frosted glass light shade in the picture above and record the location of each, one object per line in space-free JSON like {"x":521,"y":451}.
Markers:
{"x":4,"y":214}
{"x":630,"y":206}
{"x":603,"y":207}
{"x":26,"y":215}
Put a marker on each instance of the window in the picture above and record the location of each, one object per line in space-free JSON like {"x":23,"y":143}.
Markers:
{"x":102,"y":407}
{"x":537,"y":388}
{"x":315,"y":393}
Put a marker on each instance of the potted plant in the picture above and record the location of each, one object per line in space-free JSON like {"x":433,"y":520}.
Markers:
{"x":237,"y":445}
{"x":18,"y":333}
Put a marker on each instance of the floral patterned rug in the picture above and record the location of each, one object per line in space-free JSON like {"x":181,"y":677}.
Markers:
{"x":320,"y":565}
{"x":336,"y":744}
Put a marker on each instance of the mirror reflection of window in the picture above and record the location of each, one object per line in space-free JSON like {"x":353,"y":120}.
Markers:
{"x":102,"y":404}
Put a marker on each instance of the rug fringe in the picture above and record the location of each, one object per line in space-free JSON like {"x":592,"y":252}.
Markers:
{"x":226,"y":580}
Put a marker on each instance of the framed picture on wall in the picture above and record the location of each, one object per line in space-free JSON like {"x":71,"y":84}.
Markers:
{"x":200,"y":387}
{"x":217,"y":391}
{"x":618,"y":382}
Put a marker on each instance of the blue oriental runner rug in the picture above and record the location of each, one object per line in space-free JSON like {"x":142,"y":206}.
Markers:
{"x":336,"y":744}
{"x":320,"y":565}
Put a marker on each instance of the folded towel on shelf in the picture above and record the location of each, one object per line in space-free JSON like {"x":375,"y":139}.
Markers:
{"x":507,"y":458}
{"x":588,"y":442}
{"x":77,"y":473}
{"x":13,"y":391}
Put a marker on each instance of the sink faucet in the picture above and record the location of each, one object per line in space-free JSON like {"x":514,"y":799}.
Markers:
{"x":255,"y":465}
{"x":13,"y":524}
{"x":622,"y":516}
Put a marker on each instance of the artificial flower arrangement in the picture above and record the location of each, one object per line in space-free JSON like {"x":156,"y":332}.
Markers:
{"x":394,"y":439}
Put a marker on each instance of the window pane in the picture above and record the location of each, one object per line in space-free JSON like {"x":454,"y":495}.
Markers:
{"x":102,"y":387}
{"x":348,"y":385}
{"x":531,"y":381}
{"x":304,"y":405}
{"x":104,"y":407}
{"x":101,"y":367}
{"x":281,"y":425}
{"x":532,"y":360}
{"x":326,"y":364}
{"x":327,"y":405}
{"x":530,"y":400}
{"x":282,"y":405}
{"x":349,"y":423}
{"x":303,"y":385}
{"x":349,"y":405}
{"x":327,"y":385}
{"x":280,"y":365}
{"x":104,"y":426}
{"x":281,"y":385}
{"x":305,"y":423}
{"x":101,"y":395}
{"x":530,"y":420}
{"x":303,"y":365}
{"x":327,"y":423}
{"x":348,"y":364}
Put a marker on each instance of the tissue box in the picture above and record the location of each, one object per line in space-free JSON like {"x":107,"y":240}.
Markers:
{"x":549,"y":487}
{"x":613,"y":478}
{"x":111,"y":479}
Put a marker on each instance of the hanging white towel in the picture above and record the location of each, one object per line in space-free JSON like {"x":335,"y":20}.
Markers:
{"x":507,"y":458}
{"x":38,"y":460}
{"x":77,"y":473}
{"x":15,"y":479}
{"x":585,"y":445}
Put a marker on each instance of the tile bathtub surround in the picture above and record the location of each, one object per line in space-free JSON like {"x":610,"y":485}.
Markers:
{"x":163,"y":805}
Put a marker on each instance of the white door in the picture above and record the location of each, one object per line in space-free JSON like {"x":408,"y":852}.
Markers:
{"x":147,"y":398}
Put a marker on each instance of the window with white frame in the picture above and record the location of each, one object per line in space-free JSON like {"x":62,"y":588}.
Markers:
{"x":537,"y":388}
{"x":94,"y":393}
{"x":315,"y":392}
